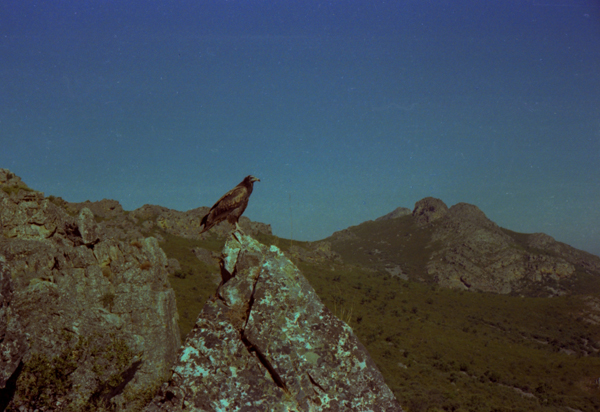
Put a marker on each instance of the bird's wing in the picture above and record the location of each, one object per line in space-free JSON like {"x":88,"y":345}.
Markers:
{"x":229,"y":200}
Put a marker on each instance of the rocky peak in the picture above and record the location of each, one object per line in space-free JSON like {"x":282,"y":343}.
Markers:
{"x":476,"y":254}
{"x":429,"y":210}
{"x":459,"y":247}
{"x":466,"y":213}
{"x":265,"y":342}
{"x":12,"y":184}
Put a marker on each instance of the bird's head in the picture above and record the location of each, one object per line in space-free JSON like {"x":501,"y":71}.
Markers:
{"x":251,"y":179}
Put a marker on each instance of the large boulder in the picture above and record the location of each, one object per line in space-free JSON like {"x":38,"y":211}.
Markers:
{"x":87,"y":321}
{"x":265,"y":342}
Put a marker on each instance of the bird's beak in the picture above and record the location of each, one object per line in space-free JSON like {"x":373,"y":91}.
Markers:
{"x":255,"y":179}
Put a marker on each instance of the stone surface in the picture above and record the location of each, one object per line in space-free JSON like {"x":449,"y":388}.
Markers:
{"x":478,"y":255}
{"x":265,"y":342}
{"x":90,"y":317}
{"x":12,"y":338}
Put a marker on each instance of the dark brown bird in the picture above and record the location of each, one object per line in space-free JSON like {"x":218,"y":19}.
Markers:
{"x":231,"y":205}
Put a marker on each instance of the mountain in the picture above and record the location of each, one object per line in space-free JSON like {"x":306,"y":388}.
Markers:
{"x":460,"y":248}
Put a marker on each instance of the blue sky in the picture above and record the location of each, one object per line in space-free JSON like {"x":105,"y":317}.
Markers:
{"x":344,"y":110}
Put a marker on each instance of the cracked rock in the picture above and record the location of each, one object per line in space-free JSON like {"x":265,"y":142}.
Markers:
{"x":265,"y":342}
{"x":88,"y":319}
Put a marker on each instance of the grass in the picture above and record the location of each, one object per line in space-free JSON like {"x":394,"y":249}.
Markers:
{"x":451,"y":350}
{"x":195,"y":282}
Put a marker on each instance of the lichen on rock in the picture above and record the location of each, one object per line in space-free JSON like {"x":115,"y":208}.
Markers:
{"x":87,"y":320}
{"x":265,"y":342}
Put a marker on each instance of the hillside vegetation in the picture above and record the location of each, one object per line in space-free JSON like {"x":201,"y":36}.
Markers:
{"x":438,"y":349}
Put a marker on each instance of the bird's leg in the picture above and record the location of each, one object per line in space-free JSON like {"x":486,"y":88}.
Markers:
{"x":237,"y":230}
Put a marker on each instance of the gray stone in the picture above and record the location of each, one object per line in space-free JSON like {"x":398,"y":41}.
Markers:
{"x":206,"y":256}
{"x":478,"y":255}
{"x":12,"y":339}
{"x":86,"y":311}
{"x":87,"y":227}
{"x":265,"y":342}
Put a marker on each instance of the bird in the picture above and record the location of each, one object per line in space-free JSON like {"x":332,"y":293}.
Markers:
{"x":231,"y":205}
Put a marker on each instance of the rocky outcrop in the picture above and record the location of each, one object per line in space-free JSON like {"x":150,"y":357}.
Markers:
{"x":88,"y":320}
{"x":547,"y":244}
{"x":265,"y":342}
{"x":104,"y":209}
{"x":114,"y":222}
{"x":12,"y":337}
{"x":479,"y":255}
{"x":429,"y":210}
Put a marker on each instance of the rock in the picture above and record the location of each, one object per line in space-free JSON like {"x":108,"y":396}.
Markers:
{"x":546,"y":244}
{"x":173,"y":266}
{"x":479,"y":256}
{"x":206,"y":256}
{"x":13,"y":344}
{"x":88,"y":321}
{"x":265,"y":342}
{"x":343,"y":235}
{"x":87,"y":227}
{"x":105,"y":208}
{"x":540,"y":241}
{"x":396,"y":213}
{"x":429,"y":210}
{"x":24,"y":213}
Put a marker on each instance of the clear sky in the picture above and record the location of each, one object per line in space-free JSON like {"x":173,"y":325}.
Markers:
{"x":344,"y":109}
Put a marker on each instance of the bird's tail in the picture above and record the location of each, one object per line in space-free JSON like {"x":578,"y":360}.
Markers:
{"x":203,"y":223}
